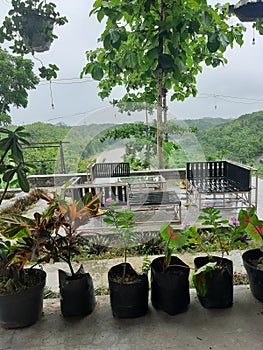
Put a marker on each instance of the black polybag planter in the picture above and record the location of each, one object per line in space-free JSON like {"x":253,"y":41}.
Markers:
{"x":24,"y":308}
{"x":128,"y":300}
{"x":220,"y":283}
{"x":170,"y":288}
{"x":77,"y":295}
{"x":34,"y":28}
{"x":255,"y":275}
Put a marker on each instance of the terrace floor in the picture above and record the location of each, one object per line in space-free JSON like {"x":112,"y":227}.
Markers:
{"x":198,"y":328}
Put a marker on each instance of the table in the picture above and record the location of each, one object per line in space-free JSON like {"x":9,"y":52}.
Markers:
{"x":157,"y":200}
{"x":136,"y":183}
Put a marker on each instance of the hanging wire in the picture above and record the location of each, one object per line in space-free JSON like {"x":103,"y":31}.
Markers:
{"x":51,"y":95}
{"x":253,"y":39}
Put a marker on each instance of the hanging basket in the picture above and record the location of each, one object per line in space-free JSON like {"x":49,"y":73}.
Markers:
{"x":36,"y":32}
{"x":247,"y":11}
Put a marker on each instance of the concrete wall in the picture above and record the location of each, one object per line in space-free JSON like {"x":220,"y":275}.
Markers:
{"x":57,"y":180}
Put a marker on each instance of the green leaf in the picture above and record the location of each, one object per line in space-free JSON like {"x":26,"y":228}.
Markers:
{"x":213,"y":43}
{"x":131,"y":60}
{"x":166,"y":62}
{"x":22,"y":180}
{"x":97,"y":73}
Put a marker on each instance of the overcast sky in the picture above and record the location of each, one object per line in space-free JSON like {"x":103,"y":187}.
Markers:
{"x":228,"y":91}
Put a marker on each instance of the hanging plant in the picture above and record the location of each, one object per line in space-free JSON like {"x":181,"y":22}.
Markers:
{"x":29,"y":25}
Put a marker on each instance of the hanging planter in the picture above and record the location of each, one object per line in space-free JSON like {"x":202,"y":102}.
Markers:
{"x":247,"y":11}
{"x":36,"y":31}
{"x":29,"y":25}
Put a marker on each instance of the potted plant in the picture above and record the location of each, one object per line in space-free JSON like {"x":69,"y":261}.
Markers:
{"x":29,"y":25}
{"x":21,"y":289}
{"x":170,"y":275}
{"x":128,"y":289}
{"x":58,"y":239}
{"x":253,"y":258}
{"x":76,"y":287}
{"x":213,"y":276}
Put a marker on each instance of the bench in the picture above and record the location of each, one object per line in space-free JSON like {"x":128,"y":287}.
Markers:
{"x":99,"y":170}
{"x":222,"y":183}
{"x":119,"y":192}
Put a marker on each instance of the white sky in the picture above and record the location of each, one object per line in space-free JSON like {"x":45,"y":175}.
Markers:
{"x":228,"y":91}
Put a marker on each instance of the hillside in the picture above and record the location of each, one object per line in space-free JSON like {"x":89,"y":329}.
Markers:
{"x":237,"y":139}
{"x":207,"y":122}
{"x":79,"y":143}
{"x":241,"y":138}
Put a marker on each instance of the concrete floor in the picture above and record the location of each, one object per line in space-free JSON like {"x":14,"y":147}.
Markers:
{"x":198,"y":328}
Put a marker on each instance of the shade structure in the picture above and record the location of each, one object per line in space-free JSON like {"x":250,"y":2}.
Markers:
{"x":247,"y":11}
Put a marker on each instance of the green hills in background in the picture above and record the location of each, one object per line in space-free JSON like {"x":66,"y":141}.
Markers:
{"x":237,"y":139}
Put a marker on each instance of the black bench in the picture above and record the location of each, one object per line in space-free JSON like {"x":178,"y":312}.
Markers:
{"x":110,"y":170}
{"x":227,"y":181}
{"x":119,"y":192}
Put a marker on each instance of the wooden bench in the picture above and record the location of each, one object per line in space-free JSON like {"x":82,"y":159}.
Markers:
{"x":222,"y":183}
{"x":99,"y":170}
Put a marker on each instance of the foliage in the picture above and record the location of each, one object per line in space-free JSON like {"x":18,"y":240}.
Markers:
{"x":252,"y":225}
{"x":23,"y":241}
{"x":16,"y":76}
{"x":12,"y":163}
{"x":16,"y":26}
{"x":131,"y":53}
{"x":206,"y":122}
{"x":243,"y":137}
{"x":141,"y":141}
{"x":66,"y":218}
{"x":223,"y":238}
{"x":80,"y":145}
{"x":153,"y":47}
{"x":123,"y":221}
{"x":50,"y":235}
{"x":174,"y":241}
{"x":202,"y":276}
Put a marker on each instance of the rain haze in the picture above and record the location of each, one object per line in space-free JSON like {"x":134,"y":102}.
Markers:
{"x":227,"y":91}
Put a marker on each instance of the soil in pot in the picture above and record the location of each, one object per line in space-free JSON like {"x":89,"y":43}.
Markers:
{"x":253,"y":263}
{"x":24,"y":308}
{"x":128,"y":291}
{"x":77,"y":293}
{"x":219,"y":282}
{"x":170,"y":287}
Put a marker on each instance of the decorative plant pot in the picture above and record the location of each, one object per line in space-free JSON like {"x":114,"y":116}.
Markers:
{"x":219,"y":282}
{"x":129,"y":295}
{"x":77,"y":293}
{"x":24,"y":308}
{"x":35,"y":31}
{"x":255,"y":273}
{"x":170,"y":288}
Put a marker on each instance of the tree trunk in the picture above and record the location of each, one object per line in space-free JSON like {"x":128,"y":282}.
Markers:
{"x":159,"y":95}
{"x":159,"y":121}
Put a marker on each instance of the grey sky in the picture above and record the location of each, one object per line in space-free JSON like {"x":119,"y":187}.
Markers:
{"x":223,"y":92}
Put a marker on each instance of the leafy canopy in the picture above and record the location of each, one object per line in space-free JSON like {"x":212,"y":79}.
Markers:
{"x":17,"y":77}
{"x":137,"y":41}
